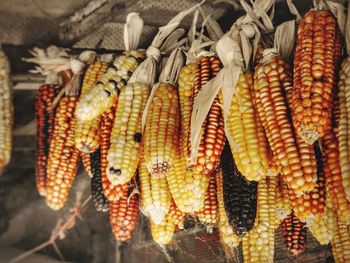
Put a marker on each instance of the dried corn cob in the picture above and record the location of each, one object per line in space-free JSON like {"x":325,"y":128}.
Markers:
{"x":332,"y":173}
{"x":213,"y":134}
{"x":45,"y":118}
{"x":6,"y":112}
{"x":63,"y":156}
{"x":314,"y":76}
{"x":123,"y":215}
{"x":100,"y":201}
{"x":156,"y":197}
{"x":186,"y":89}
{"x":87,"y":137}
{"x":162,"y":131}
{"x":227,"y":235}
{"x":323,"y":227}
{"x":163,"y":233}
{"x":239,"y":195}
{"x":283,"y":204}
{"x":341,"y":243}
{"x":125,"y":152}
{"x":103,"y":93}
{"x":85,"y":158}
{"x":209,"y":214}
{"x":294,"y":234}
{"x":249,"y":152}
{"x":344,"y":131}
{"x":297,"y":161}
{"x":187,"y":187}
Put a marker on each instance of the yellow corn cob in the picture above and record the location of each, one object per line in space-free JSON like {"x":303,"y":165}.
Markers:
{"x":283,"y":205}
{"x":6,"y":112}
{"x":125,"y":152}
{"x":162,"y":131}
{"x":323,"y":227}
{"x":156,"y":197}
{"x":315,"y":60}
{"x":186,"y":89}
{"x":163,"y":233}
{"x":297,"y":161}
{"x":187,"y":187}
{"x":249,"y":152}
{"x":102,"y":95}
{"x":341,"y":243}
{"x":344,"y":130}
{"x":87,"y":137}
{"x":209,"y":214}
{"x":227,"y":234}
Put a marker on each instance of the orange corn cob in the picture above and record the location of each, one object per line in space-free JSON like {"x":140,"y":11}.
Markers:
{"x":213,"y":134}
{"x":123,"y":215}
{"x":294,"y":234}
{"x":209,"y":214}
{"x":315,"y":58}
{"x":227,"y":235}
{"x":87,"y":137}
{"x":332,"y":173}
{"x":341,"y":243}
{"x":85,"y":158}
{"x":45,"y":118}
{"x":162,"y":131}
{"x":63,"y":156}
{"x":296,"y":159}
{"x":112,"y":192}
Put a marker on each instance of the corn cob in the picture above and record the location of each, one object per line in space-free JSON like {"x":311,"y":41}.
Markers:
{"x":85,"y":158}
{"x":341,"y":243}
{"x":213,"y":134}
{"x":249,"y":152}
{"x":103,"y":93}
{"x":187,"y":187}
{"x":294,"y":234}
{"x":332,"y":173}
{"x":63,"y":156}
{"x":162,"y":131}
{"x":227,"y":234}
{"x":297,"y":161}
{"x":239,"y":195}
{"x":323,"y":227}
{"x":156,"y":197}
{"x":112,"y":192}
{"x":314,"y":76}
{"x":344,"y":131}
{"x":45,"y":124}
{"x":209,"y":214}
{"x":163,"y":233}
{"x":6,"y":112}
{"x":283,"y":204}
{"x":124,"y":152}
{"x":186,"y":89}
{"x":123,"y":215}
{"x":87,"y":137}
{"x":100,"y":201}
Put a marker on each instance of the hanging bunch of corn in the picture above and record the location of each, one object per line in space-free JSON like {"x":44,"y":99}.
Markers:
{"x":227,"y":234}
{"x":99,"y":199}
{"x":315,"y":60}
{"x":163,"y":233}
{"x":6,"y":112}
{"x":45,"y":116}
{"x":123,"y":215}
{"x":102,"y":94}
{"x":343,"y":133}
{"x":126,"y":139}
{"x":294,"y":234}
{"x":156,"y":197}
{"x":87,"y":133}
{"x":112,"y":192}
{"x":323,"y":227}
{"x":239,"y":195}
